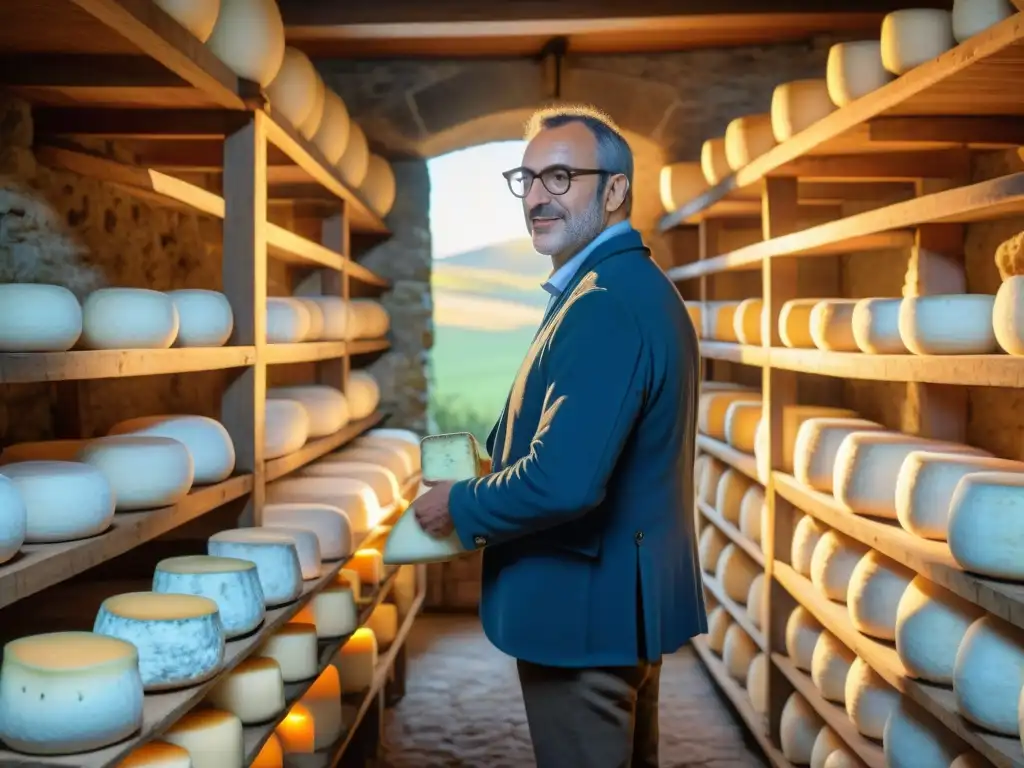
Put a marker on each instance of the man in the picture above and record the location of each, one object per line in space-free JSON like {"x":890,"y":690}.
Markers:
{"x":590,"y":572}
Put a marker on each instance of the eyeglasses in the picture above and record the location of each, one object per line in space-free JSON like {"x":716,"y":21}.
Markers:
{"x":556,"y":179}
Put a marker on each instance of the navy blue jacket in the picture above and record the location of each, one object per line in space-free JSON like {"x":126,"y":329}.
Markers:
{"x":587,"y":518}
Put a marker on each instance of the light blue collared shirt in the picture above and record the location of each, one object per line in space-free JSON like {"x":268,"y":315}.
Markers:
{"x":561,"y":277}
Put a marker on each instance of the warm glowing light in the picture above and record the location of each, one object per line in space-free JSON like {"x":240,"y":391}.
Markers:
{"x":323,"y":700}
{"x":297,"y":731}
{"x":369,"y":564}
{"x":271,"y":756}
{"x":357,"y":661}
{"x":350,"y":578}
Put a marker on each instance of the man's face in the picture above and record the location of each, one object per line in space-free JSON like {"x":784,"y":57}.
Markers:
{"x":561,"y":225}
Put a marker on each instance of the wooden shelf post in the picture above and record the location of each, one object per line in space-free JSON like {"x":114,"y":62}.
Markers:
{"x":335,"y":234}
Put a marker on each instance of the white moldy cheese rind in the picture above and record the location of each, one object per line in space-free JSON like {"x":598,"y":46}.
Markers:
{"x":64,"y":500}
{"x":157,"y":754}
{"x":13,"y":520}
{"x":987,"y":675}
{"x":212,"y":737}
{"x":128,"y":318}
{"x":231,"y":583}
{"x":971,"y":17}
{"x":913,"y":738}
{"x":873,"y":595}
{"x":383,"y":622}
{"x":835,"y":557}
{"x":450,"y":457}
{"x":742,"y":419}
{"x":332,"y":611}
{"x":356,"y":662}
{"x":68,"y":692}
{"x":253,"y":691}
{"x":738,"y":651}
{"x":746,"y":321}
{"x":792,"y":417}
{"x":930,"y":625}
{"x":798,"y":105}
{"x":307,"y":547}
{"x":806,"y":534}
{"x":355,"y":497}
{"x":959,"y":324}
{"x":802,"y":632}
{"x":830,"y":663}
{"x":330,"y":524}
{"x":326,"y":406}
{"x":179,"y":637}
{"x":985,"y":517}
{"x":205,"y":318}
{"x":729,"y":496}
{"x":713,"y":406}
{"x":913,"y":36}
{"x":816,"y":445}
{"x":869,"y":699}
{"x":798,"y":729}
{"x":382,"y":480}
{"x":275,"y":556}
{"x":876,"y":327}
{"x":831,"y":324}
{"x":38,"y":318}
{"x":294,"y":648}
{"x":286,"y":428}
{"x":207,"y":441}
{"x":735,"y":572}
{"x":288,"y":320}
{"x":145,"y":472}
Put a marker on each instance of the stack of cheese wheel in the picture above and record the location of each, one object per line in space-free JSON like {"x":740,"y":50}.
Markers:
{"x":756,"y":602}
{"x":394,"y":457}
{"x":205,"y":318}
{"x":798,"y":105}
{"x":367,"y":320}
{"x":332,"y":611}
{"x":326,"y":407}
{"x":679,"y":183}
{"x":355,"y":497}
{"x":334,"y":310}
{"x":747,"y":138}
{"x":128,"y":318}
{"x":207,"y":441}
{"x":825,"y":743}
{"x":714,"y":163}
{"x":403,"y":440}
{"x":230,"y":582}
{"x":719,"y":321}
{"x":379,"y":188}
{"x":754,"y":515}
{"x":363,"y":393}
{"x":39,"y":509}
{"x":984,"y":515}
{"x":792,"y":417}
{"x":869,"y":699}
{"x":710,"y":545}
{"x":913,"y":738}
{"x":817,"y":444}
{"x":317,"y":320}
{"x":713,"y":407}
{"x":913,"y":36}
{"x":38,"y":318}
{"x":957,"y":324}
{"x":746,"y":321}
{"x":286,"y":427}
{"x":876,"y":327}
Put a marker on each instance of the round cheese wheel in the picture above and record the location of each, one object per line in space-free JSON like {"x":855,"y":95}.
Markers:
{"x":987,"y":675}
{"x":207,"y":441}
{"x":355,"y":161}
{"x":68,"y":692}
{"x":331,"y":525}
{"x":381,"y":479}
{"x":293,"y":91}
{"x":797,"y":105}
{"x":363,"y":393}
{"x":369,"y":564}
{"x":719,"y":321}
{"x":718,"y":624}
{"x":332,"y":134}
{"x":806,"y":534}
{"x":205,"y":318}
{"x":43,"y":450}
{"x":326,"y":407}
{"x":913,"y":739}
{"x":930,"y":624}
{"x":157,"y":754}
{"x":294,"y":648}
{"x":948,"y":325}
{"x":179,"y":637}
{"x":64,"y":501}
{"x":393,"y":433}
{"x":927,"y":480}
{"x":249,"y":38}
{"x":128,"y":318}
{"x":795,"y":323}
{"x":869,"y":699}
{"x":876,"y":327}
{"x":253,"y":691}
{"x":285,"y":427}
{"x":323,"y":700}
{"x":332,"y":611}
{"x":1008,"y":315}
{"x":392,"y":458}
{"x":355,"y":497}
{"x":712,"y":408}
{"x":831,"y":325}
{"x":712,"y":542}
{"x":873,"y":595}
{"x":696,"y":312}
{"x":855,"y":69}
{"x":738,"y":652}
{"x":868,"y":464}
{"x":13,"y":520}
{"x":984,"y":524}
{"x":970,"y":17}
{"x":212,"y":737}
{"x":912,"y":36}
{"x":288,"y":320}
{"x":707,"y":482}
{"x":746,"y":321}
{"x":747,"y":138}
{"x":144,"y":471}
{"x":307,"y":546}
{"x":798,"y":729}
{"x":357,"y":661}
{"x":816,"y":446}
{"x":375,"y":440}
{"x":842,"y":758}
{"x":714,"y":163}
{"x":334,"y":313}
{"x":835,"y":556}
{"x":829,"y":664}
{"x":311,"y":124}
{"x":316,"y":319}
{"x":729,"y":496}
{"x":825,"y":743}
{"x":753,"y":514}
{"x":735,"y":572}
{"x":757,"y":683}
{"x":275,"y":555}
{"x":756,"y":602}
{"x":679,"y":183}
{"x":231,"y":583}
{"x":379,"y":188}
{"x":38,"y":318}
{"x":371,"y":319}
{"x":792,"y":417}
{"x":197,"y":16}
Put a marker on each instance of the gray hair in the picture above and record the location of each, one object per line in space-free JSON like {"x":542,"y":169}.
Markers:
{"x":613,"y":152}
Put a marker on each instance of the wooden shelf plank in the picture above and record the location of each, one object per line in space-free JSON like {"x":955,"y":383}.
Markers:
{"x":882,"y":657}
{"x":732,"y":532}
{"x":314,"y":449}
{"x":315,"y":351}
{"x":38,"y":566}
{"x":931,"y":559}
{"x":744,"y":354}
{"x":738,"y":698}
{"x":835,"y":716}
{"x":25,"y":367}
{"x":744,"y":462}
{"x":734,"y":609}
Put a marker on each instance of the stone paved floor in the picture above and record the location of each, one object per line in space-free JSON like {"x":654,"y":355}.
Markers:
{"x":462,"y":708}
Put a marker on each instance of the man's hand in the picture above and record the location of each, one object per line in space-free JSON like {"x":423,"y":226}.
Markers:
{"x":432,"y":509}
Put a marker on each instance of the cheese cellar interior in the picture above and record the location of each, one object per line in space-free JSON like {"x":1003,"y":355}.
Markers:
{"x":205,"y":448}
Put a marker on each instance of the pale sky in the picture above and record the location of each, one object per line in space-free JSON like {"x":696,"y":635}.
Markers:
{"x":470,"y":205}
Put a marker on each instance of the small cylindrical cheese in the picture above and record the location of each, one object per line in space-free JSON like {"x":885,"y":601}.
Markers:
{"x":719,"y":321}
{"x":738,"y":652}
{"x":958,"y":324}
{"x":735,"y":572}
{"x":212,"y":738}
{"x":742,"y":419}
{"x":913,"y":738}
{"x":316,"y":319}
{"x":207,"y":441}
{"x":205,"y":318}
{"x":363,"y":393}
{"x":912,"y":36}
{"x":869,"y":699}
{"x":157,"y":754}
{"x":876,"y":327}
{"x":326,"y":406}
{"x":830,"y":662}
{"x":795,"y":323}
{"x":708,"y":478}
{"x":855,"y":69}
{"x":379,"y":188}
{"x":323,"y":702}
{"x":798,"y":729}
{"x":792,"y":417}
{"x":13,"y":520}
{"x":971,"y":17}
{"x":679,"y":183}
{"x":253,"y":691}
{"x":330,"y":524}
{"x":232,"y":583}
{"x":987,"y":675}
{"x":712,"y":408}
{"x":816,"y":446}
{"x":714,"y":163}
{"x":275,"y":556}
{"x":831,"y":324}
{"x":369,"y":564}
{"x":835,"y":557}
{"x":873,"y":595}
{"x":806,"y":534}
{"x":294,"y":648}
{"x":383,"y":622}
{"x":985,"y":516}
{"x":288,"y":320}
{"x":128,"y":318}
{"x":798,"y":105}
{"x":38,"y":318}
{"x":307,"y":547}
{"x":719,"y":622}
{"x":286,"y":428}
{"x":382,"y":480}
{"x":332,"y":611}
{"x":354,"y":163}
{"x":355,"y":497}
{"x":144,"y":471}
{"x":293,"y":90}
{"x":747,"y":138}
{"x":731,"y":488}
{"x":382,"y":439}
{"x":746,"y":321}
{"x":357,"y":661}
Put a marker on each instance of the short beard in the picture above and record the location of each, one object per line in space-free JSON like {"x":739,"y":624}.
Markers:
{"x":580,"y":230}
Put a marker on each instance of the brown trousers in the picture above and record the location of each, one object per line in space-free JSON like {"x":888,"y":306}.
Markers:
{"x":592,"y":718}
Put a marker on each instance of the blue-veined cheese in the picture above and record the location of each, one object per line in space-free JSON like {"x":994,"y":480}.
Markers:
{"x":232,"y":583}
{"x":275,"y":556}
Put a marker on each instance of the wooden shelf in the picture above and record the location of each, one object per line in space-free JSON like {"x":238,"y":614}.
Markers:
{"x":745,"y":354}
{"x":737,"y":611}
{"x":25,"y":367}
{"x":834,"y":715}
{"x":38,"y":566}
{"x":315,"y":351}
{"x":882,"y":657}
{"x":743,"y":462}
{"x":732,"y":533}
{"x":738,"y":698}
{"x":931,"y":559}
{"x":314,"y":449}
